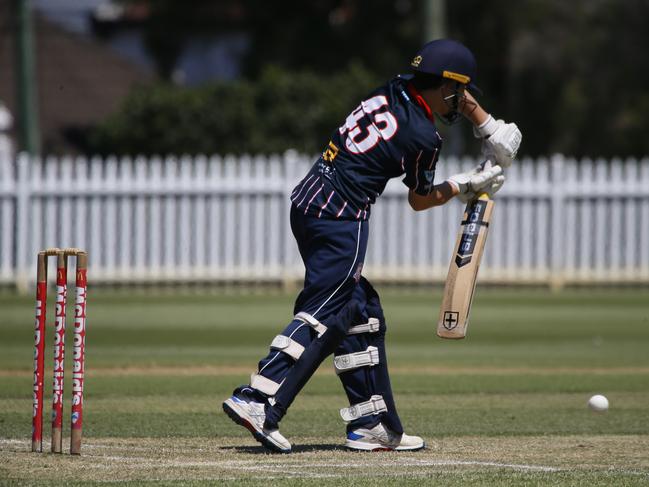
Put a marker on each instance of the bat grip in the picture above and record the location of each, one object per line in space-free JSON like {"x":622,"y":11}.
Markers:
{"x":483,"y":195}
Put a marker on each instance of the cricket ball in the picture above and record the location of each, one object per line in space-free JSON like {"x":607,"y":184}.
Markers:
{"x":598,"y":403}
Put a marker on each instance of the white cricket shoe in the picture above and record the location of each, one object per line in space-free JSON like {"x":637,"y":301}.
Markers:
{"x":251,"y":415}
{"x":381,"y":438}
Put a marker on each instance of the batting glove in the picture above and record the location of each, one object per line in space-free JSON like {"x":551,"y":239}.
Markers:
{"x":490,"y":189}
{"x":472,"y":182}
{"x":501,"y":140}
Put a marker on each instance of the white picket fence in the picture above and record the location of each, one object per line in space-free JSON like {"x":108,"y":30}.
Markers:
{"x":224,"y":219}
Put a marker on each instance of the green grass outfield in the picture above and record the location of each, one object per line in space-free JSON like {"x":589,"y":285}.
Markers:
{"x":507,"y":406}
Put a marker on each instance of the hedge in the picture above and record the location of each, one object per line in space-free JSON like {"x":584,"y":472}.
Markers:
{"x":280,"y":110}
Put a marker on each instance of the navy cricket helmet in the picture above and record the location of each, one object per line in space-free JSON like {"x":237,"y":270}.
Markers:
{"x":449,"y":59}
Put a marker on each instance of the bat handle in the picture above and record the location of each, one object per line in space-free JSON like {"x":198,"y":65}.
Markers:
{"x":484,"y":165}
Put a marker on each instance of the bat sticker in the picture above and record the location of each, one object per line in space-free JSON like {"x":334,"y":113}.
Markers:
{"x":472,"y":225}
{"x":451,"y":319}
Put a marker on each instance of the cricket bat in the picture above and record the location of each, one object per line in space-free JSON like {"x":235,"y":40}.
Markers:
{"x":463,"y":270}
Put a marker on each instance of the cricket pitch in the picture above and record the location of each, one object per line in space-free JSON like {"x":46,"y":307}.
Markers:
{"x":543,"y":458}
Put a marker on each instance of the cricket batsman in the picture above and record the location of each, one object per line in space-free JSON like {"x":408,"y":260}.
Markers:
{"x":391,"y":133}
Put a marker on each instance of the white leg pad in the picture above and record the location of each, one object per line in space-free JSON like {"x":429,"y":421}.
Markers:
{"x":372,"y":326}
{"x":263,"y":384}
{"x":287,"y":345}
{"x":375,"y":405}
{"x":350,"y":361}
{"x":311,"y":321}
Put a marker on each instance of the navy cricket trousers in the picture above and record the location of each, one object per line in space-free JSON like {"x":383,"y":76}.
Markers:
{"x":338,"y":296}
{"x":333,"y":252}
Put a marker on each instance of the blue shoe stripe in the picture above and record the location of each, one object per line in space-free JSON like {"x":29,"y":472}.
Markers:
{"x":353,"y":436}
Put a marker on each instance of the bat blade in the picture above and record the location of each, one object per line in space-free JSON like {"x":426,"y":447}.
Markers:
{"x":463,"y":269}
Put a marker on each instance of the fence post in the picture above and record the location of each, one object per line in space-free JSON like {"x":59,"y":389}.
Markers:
{"x":558,"y":233}
{"x":23,"y":189}
{"x":290,"y":169}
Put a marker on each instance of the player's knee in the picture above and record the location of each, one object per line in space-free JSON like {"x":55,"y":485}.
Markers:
{"x":373,"y":306}
{"x":339,"y":323}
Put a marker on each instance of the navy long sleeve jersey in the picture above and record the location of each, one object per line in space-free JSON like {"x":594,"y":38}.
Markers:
{"x":391,"y":133}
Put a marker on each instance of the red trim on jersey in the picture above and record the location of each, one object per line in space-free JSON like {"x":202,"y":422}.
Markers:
{"x":325,"y":203}
{"x":341,"y":210}
{"x":421,"y":102}
{"x":306,"y":208}
{"x":307,"y":192}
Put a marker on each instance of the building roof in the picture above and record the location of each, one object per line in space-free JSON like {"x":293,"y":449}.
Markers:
{"x":79,"y":81}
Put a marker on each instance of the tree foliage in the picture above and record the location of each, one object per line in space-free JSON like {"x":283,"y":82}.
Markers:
{"x":278,"y":111}
{"x":573,"y":74}
{"x":322,"y":36}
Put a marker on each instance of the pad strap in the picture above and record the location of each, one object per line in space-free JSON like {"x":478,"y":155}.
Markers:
{"x":375,"y":405}
{"x":263,"y":384}
{"x":355,"y":360}
{"x":372,"y":326}
{"x":311,"y":321}
{"x":287,"y":345}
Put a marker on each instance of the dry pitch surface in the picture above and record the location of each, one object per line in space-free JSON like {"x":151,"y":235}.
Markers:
{"x":622,"y":460}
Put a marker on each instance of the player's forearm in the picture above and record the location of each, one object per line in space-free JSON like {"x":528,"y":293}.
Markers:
{"x":472,"y":110}
{"x":440,"y":194}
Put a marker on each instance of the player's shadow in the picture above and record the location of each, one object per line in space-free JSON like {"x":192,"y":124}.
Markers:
{"x":257,"y":450}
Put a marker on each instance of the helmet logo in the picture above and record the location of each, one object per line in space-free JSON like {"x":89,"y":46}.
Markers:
{"x":415,"y":62}
{"x":462,"y":78}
